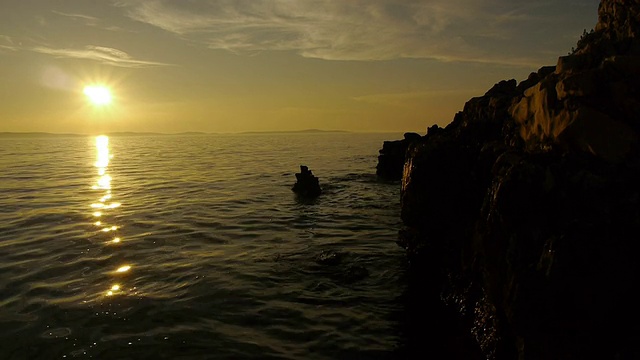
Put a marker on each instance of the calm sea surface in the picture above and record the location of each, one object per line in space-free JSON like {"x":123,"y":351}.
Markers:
{"x":195,"y":247}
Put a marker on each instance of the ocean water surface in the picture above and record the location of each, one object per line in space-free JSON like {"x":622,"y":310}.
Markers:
{"x":195,"y":247}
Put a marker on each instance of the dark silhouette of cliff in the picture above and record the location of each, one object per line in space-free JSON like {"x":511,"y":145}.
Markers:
{"x":526,"y":207}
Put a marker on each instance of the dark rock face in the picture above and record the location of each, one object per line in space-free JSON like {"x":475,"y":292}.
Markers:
{"x":527,"y":205}
{"x":392,"y":157}
{"x":307,"y":185}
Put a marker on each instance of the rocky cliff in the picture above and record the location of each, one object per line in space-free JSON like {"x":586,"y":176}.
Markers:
{"x":526,"y":207}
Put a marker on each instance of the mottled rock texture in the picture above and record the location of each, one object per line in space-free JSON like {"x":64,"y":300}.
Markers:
{"x":526,"y":207}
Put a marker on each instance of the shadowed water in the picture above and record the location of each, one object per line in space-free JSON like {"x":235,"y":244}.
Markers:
{"x":195,"y":247}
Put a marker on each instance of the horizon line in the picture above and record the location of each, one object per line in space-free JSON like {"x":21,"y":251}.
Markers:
{"x":124,"y":133}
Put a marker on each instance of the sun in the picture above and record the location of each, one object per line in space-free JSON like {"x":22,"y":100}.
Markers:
{"x":98,"y":94}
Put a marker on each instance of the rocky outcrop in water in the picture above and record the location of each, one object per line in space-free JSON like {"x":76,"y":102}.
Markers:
{"x":527,"y":205}
{"x":392,"y":156}
{"x":307,"y":185}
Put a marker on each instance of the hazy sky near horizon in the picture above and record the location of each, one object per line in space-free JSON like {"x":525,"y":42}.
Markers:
{"x":258,"y":65}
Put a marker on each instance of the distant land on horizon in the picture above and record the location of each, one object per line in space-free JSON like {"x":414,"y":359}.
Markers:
{"x":133,"y":133}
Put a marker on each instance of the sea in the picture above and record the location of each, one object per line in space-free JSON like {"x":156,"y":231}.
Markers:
{"x":194,"y":246}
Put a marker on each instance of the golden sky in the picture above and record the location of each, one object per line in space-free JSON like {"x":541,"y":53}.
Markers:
{"x":279,"y":65}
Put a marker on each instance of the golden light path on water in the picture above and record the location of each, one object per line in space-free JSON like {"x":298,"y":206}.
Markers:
{"x":104,"y":204}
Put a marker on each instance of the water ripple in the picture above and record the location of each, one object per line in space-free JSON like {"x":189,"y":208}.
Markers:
{"x":179,"y":246}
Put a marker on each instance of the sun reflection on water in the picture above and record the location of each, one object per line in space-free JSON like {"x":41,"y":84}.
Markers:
{"x":104,"y":207}
{"x":114,"y":289}
{"x":103,"y":156}
{"x":123,"y":269}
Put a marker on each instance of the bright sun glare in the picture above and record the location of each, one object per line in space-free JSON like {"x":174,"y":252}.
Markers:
{"x":98,"y":94}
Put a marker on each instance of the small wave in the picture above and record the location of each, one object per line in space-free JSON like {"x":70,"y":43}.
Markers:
{"x":220,"y":258}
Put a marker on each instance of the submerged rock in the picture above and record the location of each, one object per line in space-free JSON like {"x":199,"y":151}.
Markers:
{"x":527,"y":205}
{"x":340,"y":269}
{"x":354,"y":273}
{"x":307,"y":185}
{"x":330,"y":257}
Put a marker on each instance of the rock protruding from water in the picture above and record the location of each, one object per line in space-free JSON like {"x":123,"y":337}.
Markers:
{"x":527,"y":204}
{"x":307,"y":185}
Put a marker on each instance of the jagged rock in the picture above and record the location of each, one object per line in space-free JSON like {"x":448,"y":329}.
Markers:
{"x":583,"y":105}
{"x":392,"y":156}
{"x":526,"y":206}
{"x":307,"y":185}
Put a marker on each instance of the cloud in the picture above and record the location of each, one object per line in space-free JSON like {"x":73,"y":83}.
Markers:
{"x":101,"y":54}
{"x":338,"y":30}
{"x":89,"y":20}
{"x":7,"y":44}
{"x":446,"y":30}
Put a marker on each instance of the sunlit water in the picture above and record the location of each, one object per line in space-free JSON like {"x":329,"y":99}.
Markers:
{"x":188,"y":247}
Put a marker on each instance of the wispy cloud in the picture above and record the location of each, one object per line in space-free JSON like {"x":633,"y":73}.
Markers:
{"x":330,"y":29}
{"x":88,"y":20}
{"x":100,"y":54}
{"x":7,"y":44}
{"x":447,"y":30}
{"x":91,"y":20}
